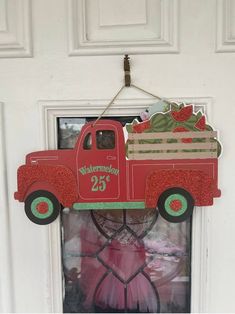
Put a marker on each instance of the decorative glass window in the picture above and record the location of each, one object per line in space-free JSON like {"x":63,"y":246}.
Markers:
{"x":123,"y":261}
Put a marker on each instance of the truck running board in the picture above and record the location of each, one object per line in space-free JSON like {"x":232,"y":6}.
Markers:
{"x":109,"y":205}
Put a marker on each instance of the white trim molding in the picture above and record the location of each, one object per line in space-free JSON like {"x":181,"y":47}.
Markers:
{"x":50,"y":111}
{"x":164,"y":39}
{"x":15,"y":29}
{"x":225,"y":33}
{"x":3,"y":15}
{"x":200,"y":261}
{"x":6,"y":288}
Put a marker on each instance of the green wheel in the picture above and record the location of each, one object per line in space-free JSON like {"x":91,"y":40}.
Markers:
{"x":175,"y":205}
{"x":42,"y":207}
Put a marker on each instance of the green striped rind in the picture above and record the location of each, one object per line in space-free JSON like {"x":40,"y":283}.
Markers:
{"x":109,"y":205}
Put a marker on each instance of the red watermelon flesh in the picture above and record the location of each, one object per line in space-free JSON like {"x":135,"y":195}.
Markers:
{"x":201,"y":124}
{"x":140,"y":127}
{"x":183,"y":114}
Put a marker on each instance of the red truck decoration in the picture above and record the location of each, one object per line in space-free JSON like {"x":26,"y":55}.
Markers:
{"x":169,"y":162}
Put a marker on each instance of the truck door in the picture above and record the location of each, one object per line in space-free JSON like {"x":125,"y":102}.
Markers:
{"x":98,"y":164}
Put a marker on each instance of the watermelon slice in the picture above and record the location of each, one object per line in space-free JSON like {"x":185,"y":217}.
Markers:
{"x":183,"y":114}
{"x":140,"y":127}
{"x":201,"y":124}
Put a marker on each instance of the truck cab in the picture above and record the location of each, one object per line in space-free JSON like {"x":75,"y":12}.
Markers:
{"x":91,"y":176}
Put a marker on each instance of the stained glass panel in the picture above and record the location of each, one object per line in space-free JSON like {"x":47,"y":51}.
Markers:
{"x":122,"y":261}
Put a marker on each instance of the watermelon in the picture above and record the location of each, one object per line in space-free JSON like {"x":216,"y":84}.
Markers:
{"x":140,"y":127}
{"x":183,"y":114}
{"x":158,"y":122}
{"x":201,"y":124}
{"x":180,"y":118}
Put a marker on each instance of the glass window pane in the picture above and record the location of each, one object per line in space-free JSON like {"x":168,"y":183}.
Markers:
{"x":125,"y":261}
{"x":68,"y":131}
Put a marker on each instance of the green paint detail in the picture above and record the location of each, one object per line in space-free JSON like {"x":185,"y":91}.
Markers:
{"x":94,"y":180}
{"x":90,"y":169}
{"x":109,"y":205}
{"x":99,"y":183}
{"x":39,"y":200}
{"x":173,"y":197}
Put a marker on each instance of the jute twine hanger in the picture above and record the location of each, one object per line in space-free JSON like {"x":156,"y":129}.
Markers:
{"x":127,"y":78}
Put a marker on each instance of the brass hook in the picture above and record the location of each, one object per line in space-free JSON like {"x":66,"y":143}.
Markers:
{"x":127,"y":71}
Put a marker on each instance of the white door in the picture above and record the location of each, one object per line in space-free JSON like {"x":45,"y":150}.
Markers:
{"x":63,"y":58}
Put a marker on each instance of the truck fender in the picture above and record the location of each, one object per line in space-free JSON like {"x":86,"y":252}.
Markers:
{"x":58,"y":179}
{"x":196,"y":182}
{"x":36,"y":186}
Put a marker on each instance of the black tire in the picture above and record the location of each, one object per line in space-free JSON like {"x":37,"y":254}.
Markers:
{"x":178,"y":195}
{"x":52,"y":207}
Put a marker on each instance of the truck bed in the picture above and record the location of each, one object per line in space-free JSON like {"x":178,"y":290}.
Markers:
{"x":138,"y":170}
{"x":170,"y":145}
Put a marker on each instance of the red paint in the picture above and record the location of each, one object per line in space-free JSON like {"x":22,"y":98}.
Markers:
{"x":91,"y":184}
{"x":58,"y":179}
{"x":183,"y":114}
{"x":139,"y":171}
{"x":176,"y":205}
{"x":42,"y":207}
{"x":198,"y":183}
{"x":110,"y":177}
{"x":201,"y":124}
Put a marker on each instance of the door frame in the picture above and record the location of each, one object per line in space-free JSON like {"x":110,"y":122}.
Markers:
{"x":6,"y":283}
{"x":200,"y":257}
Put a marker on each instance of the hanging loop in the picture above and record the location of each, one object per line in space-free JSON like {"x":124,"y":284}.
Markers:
{"x":127,"y":71}
{"x":126,"y":66}
{"x":109,"y":104}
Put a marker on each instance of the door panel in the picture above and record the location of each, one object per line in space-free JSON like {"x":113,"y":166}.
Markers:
{"x":197,"y":32}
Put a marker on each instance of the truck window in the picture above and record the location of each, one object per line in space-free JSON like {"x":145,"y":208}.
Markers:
{"x":87,"y":142}
{"x":105,"y":139}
